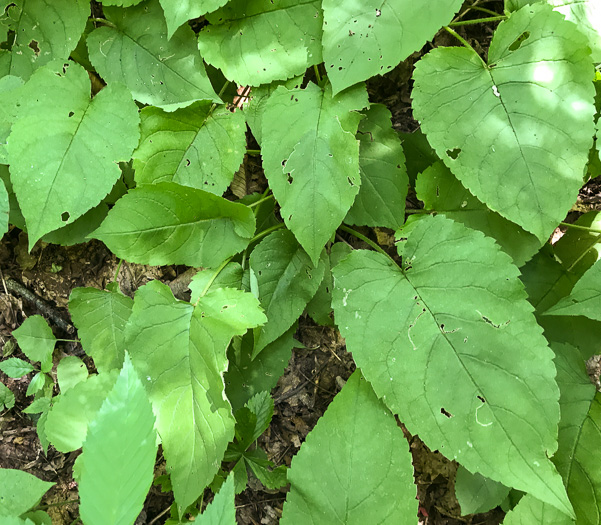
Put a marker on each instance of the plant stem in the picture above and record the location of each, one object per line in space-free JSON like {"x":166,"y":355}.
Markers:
{"x":117,"y":271}
{"x":104,"y":21}
{"x":266,"y":232}
{"x":317,"y":75}
{"x":410,"y":211}
{"x":496,"y":18}
{"x":375,"y":246}
{"x":594,"y":241}
{"x":578,"y":227}
{"x":484,"y":10}
{"x":58,"y":504}
{"x":261,"y":201}
{"x":253,"y":151}
{"x":212,"y":279}
{"x":460,"y":38}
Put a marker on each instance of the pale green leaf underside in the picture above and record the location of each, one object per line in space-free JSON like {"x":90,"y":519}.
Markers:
{"x":287,"y":280}
{"x":585,"y":297}
{"x":44,"y":30}
{"x":166,"y":223}
{"x":9,"y":91}
{"x":354,"y":467}
{"x":531,"y":511}
{"x":523,"y":124}
{"x":457,"y":310}
{"x":311,"y":159}
{"x":117,"y":461}
{"x":19,"y":491}
{"x":476,"y":494}
{"x":71,"y":413}
{"x":384,"y":181}
{"x":64,"y":146}
{"x":368,"y":38}
{"x":440,"y":190}
{"x":70,"y":371}
{"x":221,"y":511}
{"x":180,"y":353}
{"x":160,"y":72}
{"x":100,"y":317}
{"x":178,"y":12}
{"x":255,"y":42}
{"x":194,"y":147}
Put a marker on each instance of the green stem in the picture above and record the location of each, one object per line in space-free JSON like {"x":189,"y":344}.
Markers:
{"x":460,"y":38}
{"x":578,"y":227}
{"x":104,"y":21}
{"x":375,"y":246}
{"x":261,"y":201}
{"x":594,"y":241}
{"x":497,"y":18}
{"x":253,"y":151}
{"x":266,"y":232}
{"x":68,"y":340}
{"x":117,"y":271}
{"x":484,"y":10}
{"x":212,"y":279}
{"x":58,"y":504}
{"x":317,"y":75}
{"x":409,"y":211}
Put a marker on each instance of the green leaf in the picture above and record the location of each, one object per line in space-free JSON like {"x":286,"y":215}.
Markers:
{"x":44,"y":30}
{"x":37,"y":517}
{"x":38,"y":406}
{"x":70,"y":371}
{"x":9,"y":89}
{"x":287,"y":280}
{"x":530,"y":511}
{"x":100,"y":317}
{"x":229,"y":277}
{"x":384,"y":181}
{"x":7,"y":398}
{"x":418,"y":152}
{"x":15,"y":367}
{"x":178,"y":12}
{"x":72,"y":412}
{"x":258,"y":41}
{"x":476,"y":494}
{"x":195,"y":147}
{"x":261,"y":405}
{"x":19,"y":491}
{"x":36,"y":340}
{"x":456,"y":310}
{"x":64,"y":147}
{"x":167,"y":223}
{"x":527,"y":116}
{"x":180,"y":352}
{"x":585,"y":297}
{"x":579,"y":451}
{"x":77,"y":232}
{"x":578,"y":249}
{"x":246,"y":376}
{"x":369,"y":38}
{"x":311,"y":159}
{"x":339,"y":473}
{"x":158,"y":70}
{"x":258,"y":463}
{"x":119,"y":452}
{"x":438,"y":188}
{"x":221,"y":511}
{"x":36,"y":384}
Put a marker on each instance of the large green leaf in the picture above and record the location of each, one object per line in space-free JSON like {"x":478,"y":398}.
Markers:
{"x":354,"y":467}
{"x":311,"y":159}
{"x":71,"y":413}
{"x":166,"y":223}
{"x":530,"y":511}
{"x":36,"y":340}
{"x":117,"y":462}
{"x":195,"y":147}
{"x":70,"y":371}
{"x":580,"y":248}
{"x":44,"y":30}
{"x":177,"y":12}
{"x":258,"y":41}
{"x":286,"y":280}
{"x":585,"y":297}
{"x":450,"y":344}
{"x":579,"y":453}
{"x":64,"y":146}
{"x":180,"y":352}
{"x":368,"y":38}
{"x":4,"y":209}
{"x":438,"y":188}
{"x":476,"y":494}
{"x":523,"y":122}
{"x":136,"y":51}
{"x":222,"y":510}
{"x":100,"y":317}
{"x":9,"y":90}
{"x":384,"y":181}
{"x":19,"y":491}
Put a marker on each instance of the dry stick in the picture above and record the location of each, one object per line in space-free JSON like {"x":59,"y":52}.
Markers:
{"x":16,"y":288}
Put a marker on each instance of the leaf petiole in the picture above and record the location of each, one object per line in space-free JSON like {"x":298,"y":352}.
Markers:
{"x":578,"y":227}
{"x":375,"y":246}
{"x":212,"y":279}
{"x":496,"y":18}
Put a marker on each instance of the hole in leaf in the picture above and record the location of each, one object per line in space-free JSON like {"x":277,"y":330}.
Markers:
{"x":71,"y":114}
{"x":65,"y":216}
{"x":445,"y":413}
{"x":378,"y":12}
{"x":34,"y":45}
{"x":453,"y":153}
{"x":519,"y":41}
{"x":481,"y":399}
{"x":187,"y":162}
{"x":289,"y":178}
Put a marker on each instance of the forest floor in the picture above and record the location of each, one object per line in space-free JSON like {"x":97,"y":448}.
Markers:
{"x":317,"y":369}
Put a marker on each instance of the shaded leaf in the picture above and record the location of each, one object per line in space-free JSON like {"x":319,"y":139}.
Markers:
{"x":530,"y":511}
{"x":36,"y":340}
{"x":534,"y":125}
{"x":70,"y":371}
{"x":258,"y":41}
{"x":7,"y":398}
{"x":578,"y":249}
{"x":59,"y":169}
{"x":229,"y":277}
{"x":456,"y":309}
{"x":19,"y":491}
{"x":15,"y":367}
{"x":339,"y":476}
{"x":160,"y":71}
{"x":167,"y":223}
{"x":117,"y":462}
{"x":178,"y":12}
{"x":476,"y":494}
